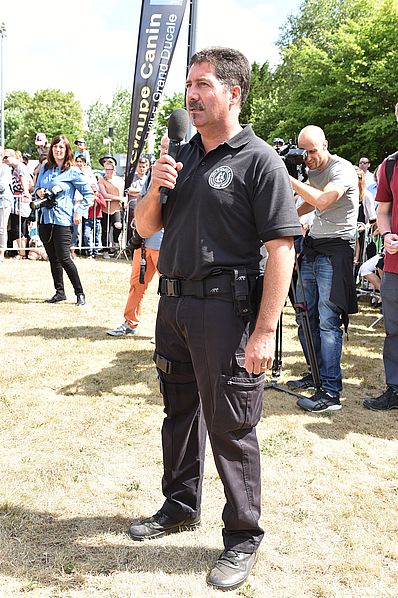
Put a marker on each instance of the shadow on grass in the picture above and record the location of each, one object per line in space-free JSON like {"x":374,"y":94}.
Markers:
{"x":18,"y":299}
{"x":67,"y":332}
{"x":126,"y":369}
{"x":42,"y":549}
{"x":361,"y":359}
{"x":337,"y":425}
{"x":27,"y":300}
{"x":90,"y":332}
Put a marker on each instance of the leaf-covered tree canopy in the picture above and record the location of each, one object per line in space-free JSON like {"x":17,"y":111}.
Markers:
{"x":339,"y":70}
{"x":101,"y":117}
{"x":49,"y":111}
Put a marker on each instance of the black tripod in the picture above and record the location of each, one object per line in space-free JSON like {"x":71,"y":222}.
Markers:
{"x":304,"y":320}
{"x":122,"y":237}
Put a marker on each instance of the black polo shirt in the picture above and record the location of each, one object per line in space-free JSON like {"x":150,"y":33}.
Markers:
{"x":225,"y":205}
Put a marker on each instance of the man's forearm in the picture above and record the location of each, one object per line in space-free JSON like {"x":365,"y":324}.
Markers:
{"x":277,"y":278}
{"x":148,"y":213}
{"x":315,"y":197}
{"x":384,"y":217}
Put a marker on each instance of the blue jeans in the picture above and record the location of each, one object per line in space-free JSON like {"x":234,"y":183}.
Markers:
{"x":325,"y":320}
{"x":90,"y":225}
{"x":75,"y":236}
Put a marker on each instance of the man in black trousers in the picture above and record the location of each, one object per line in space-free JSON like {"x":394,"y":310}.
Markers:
{"x":215,"y":335}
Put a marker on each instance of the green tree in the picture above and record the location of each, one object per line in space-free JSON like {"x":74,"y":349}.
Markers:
{"x":260,"y":108}
{"x":97,"y":124}
{"x":317,"y":19}
{"x":15,"y":105}
{"x":101,"y":117}
{"x":343,"y":78}
{"x":49,"y":110}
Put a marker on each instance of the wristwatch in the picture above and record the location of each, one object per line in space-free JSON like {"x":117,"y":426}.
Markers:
{"x":388,"y":232}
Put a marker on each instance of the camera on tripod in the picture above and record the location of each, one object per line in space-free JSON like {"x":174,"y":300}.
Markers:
{"x":49,"y":199}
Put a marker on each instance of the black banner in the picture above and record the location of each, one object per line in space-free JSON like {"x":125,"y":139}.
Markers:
{"x":160,"y":25}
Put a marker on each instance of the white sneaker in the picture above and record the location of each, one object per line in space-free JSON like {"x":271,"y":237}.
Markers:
{"x":123,"y":330}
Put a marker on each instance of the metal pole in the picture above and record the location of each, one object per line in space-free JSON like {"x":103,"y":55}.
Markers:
{"x":192,"y":34}
{"x":192,"y":29}
{"x":3,"y":35}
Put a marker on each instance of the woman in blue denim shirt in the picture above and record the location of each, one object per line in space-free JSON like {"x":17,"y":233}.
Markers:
{"x":62,"y":178}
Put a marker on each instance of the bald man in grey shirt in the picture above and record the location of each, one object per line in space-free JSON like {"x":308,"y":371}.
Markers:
{"x":328,"y":286}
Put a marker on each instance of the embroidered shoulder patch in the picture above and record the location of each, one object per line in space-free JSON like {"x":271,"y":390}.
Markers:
{"x":221,"y":177}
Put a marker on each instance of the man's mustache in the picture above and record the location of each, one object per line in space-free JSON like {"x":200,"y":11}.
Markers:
{"x":194,"y":105}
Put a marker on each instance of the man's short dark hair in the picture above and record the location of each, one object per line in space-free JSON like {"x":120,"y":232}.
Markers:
{"x":231,"y":67}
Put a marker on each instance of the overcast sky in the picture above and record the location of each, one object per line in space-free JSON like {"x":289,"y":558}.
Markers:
{"x":89,"y":46}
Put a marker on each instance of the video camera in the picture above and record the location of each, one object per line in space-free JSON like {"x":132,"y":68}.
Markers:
{"x":294,"y":159}
{"x":295,"y":155}
{"x":49,"y":199}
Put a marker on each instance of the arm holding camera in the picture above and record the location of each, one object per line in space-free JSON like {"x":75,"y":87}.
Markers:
{"x":317,"y":198}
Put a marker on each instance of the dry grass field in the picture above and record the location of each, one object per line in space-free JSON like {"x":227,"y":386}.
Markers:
{"x":80,"y":457}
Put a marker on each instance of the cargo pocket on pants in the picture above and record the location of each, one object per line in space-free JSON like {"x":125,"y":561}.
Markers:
{"x":239,"y":403}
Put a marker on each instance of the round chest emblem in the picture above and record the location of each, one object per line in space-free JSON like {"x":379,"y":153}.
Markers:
{"x":221,"y":177}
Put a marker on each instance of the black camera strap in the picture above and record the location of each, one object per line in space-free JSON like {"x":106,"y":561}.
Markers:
{"x":142,"y":263}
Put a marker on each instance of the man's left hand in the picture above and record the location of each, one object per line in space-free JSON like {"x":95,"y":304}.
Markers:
{"x":259,"y":353}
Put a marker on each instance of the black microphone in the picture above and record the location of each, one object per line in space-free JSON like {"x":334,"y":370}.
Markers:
{"x":176,"y":131}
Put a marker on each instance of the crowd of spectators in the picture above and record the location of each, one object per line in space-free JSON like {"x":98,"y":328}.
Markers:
{"x":99,"y":235}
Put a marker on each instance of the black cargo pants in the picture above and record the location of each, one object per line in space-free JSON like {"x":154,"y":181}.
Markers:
{"x":204,"y":384}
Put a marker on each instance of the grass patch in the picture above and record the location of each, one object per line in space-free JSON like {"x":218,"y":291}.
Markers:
{"x":80,"y":457}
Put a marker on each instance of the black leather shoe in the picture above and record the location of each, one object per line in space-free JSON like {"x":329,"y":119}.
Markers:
{"x":231,"y":569}
{"x":56,"y":298}
{"x":80,"y":299}
{"x":159,"y":525}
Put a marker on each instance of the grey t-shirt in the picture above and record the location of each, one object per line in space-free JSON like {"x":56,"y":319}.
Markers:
{"x":340,"y":220}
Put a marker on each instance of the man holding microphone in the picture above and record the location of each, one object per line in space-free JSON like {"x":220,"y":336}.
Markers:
{"x":229,"y":193}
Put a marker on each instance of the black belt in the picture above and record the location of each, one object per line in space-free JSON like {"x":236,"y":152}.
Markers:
{"x":213,"y":286}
